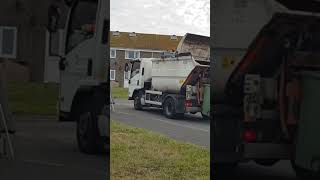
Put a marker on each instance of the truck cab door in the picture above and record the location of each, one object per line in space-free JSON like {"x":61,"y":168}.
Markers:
{"x":135,"y":77}
{"x":83,"y":43}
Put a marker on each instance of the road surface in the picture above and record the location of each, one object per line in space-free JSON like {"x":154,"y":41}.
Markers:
{"x":192,"y":128}
{"x":47,"y":149}
{"x":195,"y":130}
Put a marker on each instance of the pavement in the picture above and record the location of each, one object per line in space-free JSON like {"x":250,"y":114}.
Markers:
{"x":193,"y":129}
{"x":47,"y":149}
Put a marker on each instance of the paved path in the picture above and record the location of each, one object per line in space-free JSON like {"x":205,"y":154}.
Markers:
{"x":47,"y":149}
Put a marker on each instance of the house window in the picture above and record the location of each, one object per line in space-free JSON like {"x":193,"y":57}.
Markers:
{"x":113,"y":53}
{"x":112,"y":75}
{"x":132,"y":54}
{"x":8,"y":42}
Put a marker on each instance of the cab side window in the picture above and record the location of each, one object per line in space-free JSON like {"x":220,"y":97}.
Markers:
{"x":82,"y":24}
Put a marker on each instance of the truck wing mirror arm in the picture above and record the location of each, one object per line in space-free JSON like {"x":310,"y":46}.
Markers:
{"x":62,"y":63}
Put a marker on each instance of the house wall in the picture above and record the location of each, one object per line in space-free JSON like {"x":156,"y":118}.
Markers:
{"x":30,"y":18}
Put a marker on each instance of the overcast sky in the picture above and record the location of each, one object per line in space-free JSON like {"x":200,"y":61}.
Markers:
{"x":161,"y":16}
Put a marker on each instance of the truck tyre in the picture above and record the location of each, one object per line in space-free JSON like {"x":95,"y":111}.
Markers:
{"x":224,"y":170}
{"x":169,"y":108}
{"x":205,"y":117}
{"x":64,"y":119}
{"x":302,"y":173}
{"x":137,"y":101}
{"x":266,"y":162}
{"x":88,"y":137}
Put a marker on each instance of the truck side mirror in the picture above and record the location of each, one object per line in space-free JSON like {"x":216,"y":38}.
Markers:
{"x":126,"y":68}
{"x":54,"y":16}
{"x":54,"y":32}
{"x":62,"y":64}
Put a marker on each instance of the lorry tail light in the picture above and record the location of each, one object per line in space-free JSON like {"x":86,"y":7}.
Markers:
{"x":249,"y":136}
{"x":188,"y":103}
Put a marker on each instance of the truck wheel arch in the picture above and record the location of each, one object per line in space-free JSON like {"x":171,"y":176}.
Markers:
{"x":80,"y":96}
{"x":179,"y":105}
{"x":137,"y":91}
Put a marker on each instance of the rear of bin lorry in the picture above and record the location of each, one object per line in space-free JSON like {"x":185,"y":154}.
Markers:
{"x":259,"y":103}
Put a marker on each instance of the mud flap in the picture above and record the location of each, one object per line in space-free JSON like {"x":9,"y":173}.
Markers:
{"x":225,"y":141}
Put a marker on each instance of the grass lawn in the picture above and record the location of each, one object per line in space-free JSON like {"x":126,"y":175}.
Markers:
{"x":33,"y":98}
{"x":141,"y":154}
{"x":118,"y":92}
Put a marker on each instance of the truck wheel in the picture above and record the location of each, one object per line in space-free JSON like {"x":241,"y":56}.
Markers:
{"x":169,"y":108}
{"x":88,"y":137}
{"x":302,"y":173}
{"x":137,"y":101}
{"x":64,"y":119}
{"x":266,"y":162}
{"x":205,"y":117}
{"x":224,"y":171}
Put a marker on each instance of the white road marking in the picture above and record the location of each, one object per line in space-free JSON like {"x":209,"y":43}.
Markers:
{"x":171,"y":123}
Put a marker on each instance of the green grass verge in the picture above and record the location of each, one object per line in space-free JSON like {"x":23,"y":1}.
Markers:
{"x":33,"y":98}
{"x":120,"y":93}
{"x":141,"y":154}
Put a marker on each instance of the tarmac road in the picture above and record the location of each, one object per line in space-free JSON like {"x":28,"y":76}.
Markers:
{"x":192,"y":128}
{"x":195,"y":130}
{"x":47,"y":149}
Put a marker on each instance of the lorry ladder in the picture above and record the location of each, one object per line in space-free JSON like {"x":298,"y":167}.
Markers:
{"x":5,"y":140}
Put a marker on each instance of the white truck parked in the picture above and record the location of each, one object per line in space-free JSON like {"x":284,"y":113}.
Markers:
{"x":174,"y":82}
{"x":84,"y":84}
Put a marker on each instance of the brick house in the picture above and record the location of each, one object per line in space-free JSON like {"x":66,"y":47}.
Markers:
{"x":23,"y":37}
{"x":125,"y":46}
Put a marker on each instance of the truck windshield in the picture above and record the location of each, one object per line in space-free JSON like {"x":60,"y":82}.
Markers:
{"x":135,"y":68}
{"x":82,"y":24}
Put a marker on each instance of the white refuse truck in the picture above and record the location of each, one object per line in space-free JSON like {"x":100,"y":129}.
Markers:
{"x":174,"y":82}
{"x":263,"y":54}
{"x":84,"y":79}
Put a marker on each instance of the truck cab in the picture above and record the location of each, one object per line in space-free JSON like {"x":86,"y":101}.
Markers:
{"x":84,"y":83}
{"x":138,"y":71}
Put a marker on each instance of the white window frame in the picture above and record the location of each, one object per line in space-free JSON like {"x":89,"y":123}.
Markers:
{"x":136,"y":54}
{"x":14,"y":54}
{"x":114,"y":74}
{"x":115,"y":53}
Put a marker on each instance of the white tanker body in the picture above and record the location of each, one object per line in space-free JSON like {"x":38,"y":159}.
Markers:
{"x":174,"y":83}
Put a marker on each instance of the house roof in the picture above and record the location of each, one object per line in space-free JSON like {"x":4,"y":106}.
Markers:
{"x":143,"y":41}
